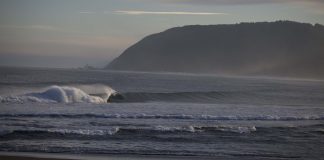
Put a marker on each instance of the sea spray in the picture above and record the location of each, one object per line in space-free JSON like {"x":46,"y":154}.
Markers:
{"x":64,"y":94}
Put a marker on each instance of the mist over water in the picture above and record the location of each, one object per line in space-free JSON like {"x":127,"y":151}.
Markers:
{"x":280,"y":48}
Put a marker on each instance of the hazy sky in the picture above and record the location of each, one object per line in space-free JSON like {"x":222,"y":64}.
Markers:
{"x":72,"y":33}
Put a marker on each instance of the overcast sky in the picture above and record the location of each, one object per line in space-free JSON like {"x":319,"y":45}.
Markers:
{"x":72,"y":33}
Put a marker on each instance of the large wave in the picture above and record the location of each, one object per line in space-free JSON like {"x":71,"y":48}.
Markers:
{"x":208,"y":96}
{"x":64,"y":94}
{"x":103,"y":94}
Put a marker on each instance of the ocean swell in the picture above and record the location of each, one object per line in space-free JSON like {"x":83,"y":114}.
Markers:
{"x":170,"y":116}
{"x":127,"y":130}
{"x":63,"y":94}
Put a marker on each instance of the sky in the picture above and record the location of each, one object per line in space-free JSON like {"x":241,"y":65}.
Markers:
{"x":73,"y":33}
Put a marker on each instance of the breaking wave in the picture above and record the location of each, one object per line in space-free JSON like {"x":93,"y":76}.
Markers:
{"x":126,"y":131}
{"x":70,"y":94}
{"x":64,"y":94}
{"x":172,"y":116}
{"x":102,"y":94}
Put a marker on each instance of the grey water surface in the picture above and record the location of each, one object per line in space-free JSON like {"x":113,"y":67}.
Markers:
{"x":57,"y":111}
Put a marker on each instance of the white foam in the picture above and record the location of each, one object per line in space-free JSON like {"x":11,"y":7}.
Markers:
{"x":193,"y":129}
{"x":172,"y":129}
{"x":110,"y":131}
{"x":238,"y":129}
{"x":173,"y":116}
{"x":63,"y":94}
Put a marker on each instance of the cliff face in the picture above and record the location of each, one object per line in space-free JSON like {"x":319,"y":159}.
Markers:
{"x":280,"y":48}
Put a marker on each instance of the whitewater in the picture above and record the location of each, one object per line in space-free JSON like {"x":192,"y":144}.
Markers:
{"x":132,"y":113}
{"x":63,"y":94}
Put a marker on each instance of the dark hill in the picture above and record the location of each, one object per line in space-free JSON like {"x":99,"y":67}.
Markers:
{"x":281,"y":48}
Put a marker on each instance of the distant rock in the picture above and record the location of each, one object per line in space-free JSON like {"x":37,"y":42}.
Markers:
{"x":88,"y":67}
{"x":281,"y":48}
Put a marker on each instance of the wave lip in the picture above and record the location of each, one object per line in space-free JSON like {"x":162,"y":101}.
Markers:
{"x":62,"y":94}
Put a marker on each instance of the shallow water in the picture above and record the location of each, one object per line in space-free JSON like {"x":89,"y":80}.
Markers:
{"x":161,"y":114}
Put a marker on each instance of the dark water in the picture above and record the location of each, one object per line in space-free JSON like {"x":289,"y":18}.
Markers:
{"x":65,"y":111}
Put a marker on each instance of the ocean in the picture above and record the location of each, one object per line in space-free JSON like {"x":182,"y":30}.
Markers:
{"x":167,"y":114}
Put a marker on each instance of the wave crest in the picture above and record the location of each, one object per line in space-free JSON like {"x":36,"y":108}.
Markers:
{"x":131,"y":130}
{"x":64,"y":94}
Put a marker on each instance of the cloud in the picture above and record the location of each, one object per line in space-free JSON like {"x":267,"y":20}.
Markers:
{"x":96,"y":41}
{"x":236,"y":2}
{"x":43,"y":27}
{"x":62,"y":51}
{"x":36,"y":27}
{"x":317,"y":7}
{"x":87,"y":12}
{"x":66,"y":45}
{"x":130,"y":12}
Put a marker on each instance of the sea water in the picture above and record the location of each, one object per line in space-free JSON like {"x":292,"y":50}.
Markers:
{"x":177,"y":114}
